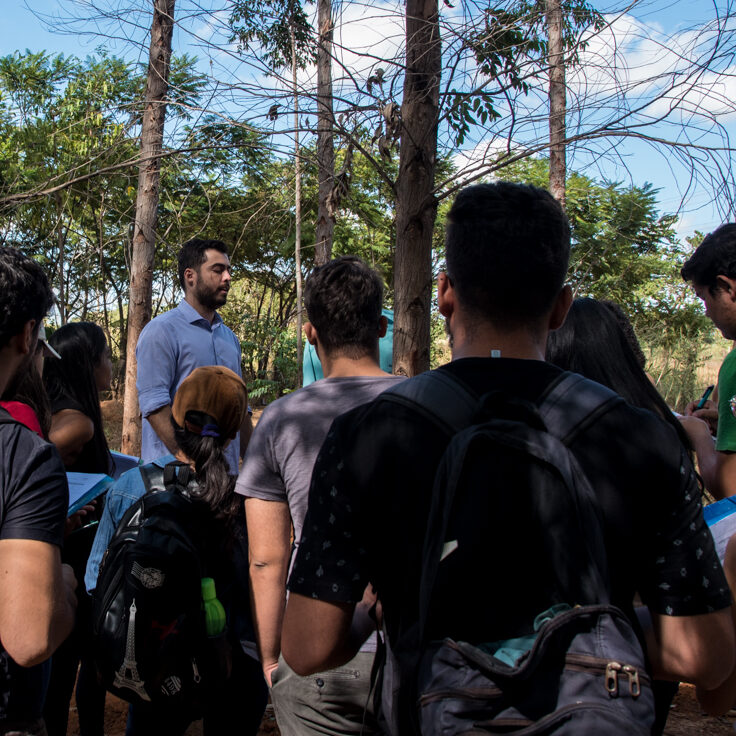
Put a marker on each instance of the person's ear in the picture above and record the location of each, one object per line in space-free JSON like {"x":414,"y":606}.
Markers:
{"x":382,"y":326}
{"x":560,"y":308}
{"x":310,"y":333}
{"x":445,"y":295}
{"x":190,"y":277}
{"x":727,"y":285}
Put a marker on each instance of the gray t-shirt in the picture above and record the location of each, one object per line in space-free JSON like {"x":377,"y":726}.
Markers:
{"x":288,"y":437}
{"x":281,"y":453}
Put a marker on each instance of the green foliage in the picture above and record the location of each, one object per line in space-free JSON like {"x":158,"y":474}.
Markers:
{"x":508,"y":42}
{"x":625,"y":251}
{"x":266,"y":25}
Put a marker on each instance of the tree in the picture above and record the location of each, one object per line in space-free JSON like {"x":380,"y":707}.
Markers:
{"x":416,"y":205}
{"x":146,"y":216}
{"x":557,"y":102}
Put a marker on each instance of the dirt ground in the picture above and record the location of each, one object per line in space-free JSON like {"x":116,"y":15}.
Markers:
{"x":685,"y":719}
{"x":116,"y":711}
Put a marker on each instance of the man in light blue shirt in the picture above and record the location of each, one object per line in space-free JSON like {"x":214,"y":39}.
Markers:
{"x":175,"y":343}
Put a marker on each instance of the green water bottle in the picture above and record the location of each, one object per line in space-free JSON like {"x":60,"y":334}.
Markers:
{"x":213,"y":610}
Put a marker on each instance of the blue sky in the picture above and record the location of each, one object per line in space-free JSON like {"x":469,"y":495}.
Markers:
{"x":636,"y":163}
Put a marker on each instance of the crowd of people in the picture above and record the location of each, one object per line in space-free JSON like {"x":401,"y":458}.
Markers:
{"x":319,"y":520}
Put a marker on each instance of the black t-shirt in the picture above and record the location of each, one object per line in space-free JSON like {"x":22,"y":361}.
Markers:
{"x":90,"y":459}
{"x":371,"y":488}
{"x":34,"y":499}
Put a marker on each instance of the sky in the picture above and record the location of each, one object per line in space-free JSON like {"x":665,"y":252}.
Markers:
{"x":668,"y":22}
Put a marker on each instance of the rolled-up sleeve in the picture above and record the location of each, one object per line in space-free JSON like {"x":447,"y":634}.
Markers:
{"x":156,"y":358}
{"x":123,"y":494}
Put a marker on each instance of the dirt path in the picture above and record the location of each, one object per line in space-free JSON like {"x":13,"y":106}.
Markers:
{"x":685,"y":719}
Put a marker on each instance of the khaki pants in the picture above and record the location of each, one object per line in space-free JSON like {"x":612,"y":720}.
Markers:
{"x":338,"y":702}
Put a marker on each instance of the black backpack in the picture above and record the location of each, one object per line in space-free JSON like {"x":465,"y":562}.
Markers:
{"x":150,"y":641}
{"x":554,"y":655}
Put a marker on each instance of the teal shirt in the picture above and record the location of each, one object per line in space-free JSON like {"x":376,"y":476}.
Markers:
{"x":726,"y":438}
{"x":312,"y":368}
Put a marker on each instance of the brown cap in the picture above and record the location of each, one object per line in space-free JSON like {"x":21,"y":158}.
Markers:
{"x":216,"y":391}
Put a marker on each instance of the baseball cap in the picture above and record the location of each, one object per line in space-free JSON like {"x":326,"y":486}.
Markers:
{"x":48,"y":351}
{"x":216,"y":391}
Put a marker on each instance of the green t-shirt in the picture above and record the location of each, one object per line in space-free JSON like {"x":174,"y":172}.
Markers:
{"x":726,"y":439}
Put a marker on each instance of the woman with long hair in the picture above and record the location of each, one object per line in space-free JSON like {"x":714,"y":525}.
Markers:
{"x":73,"y":385}
{"x":598,"y":342}
{"x":207,"y":411}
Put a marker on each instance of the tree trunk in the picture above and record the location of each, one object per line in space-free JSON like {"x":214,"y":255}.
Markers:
{"x":416,"y":205}
{"x":325,"y":145}
{"x":557,"y":102}
{"x":146,"y":210}
{"x":297,"y":213}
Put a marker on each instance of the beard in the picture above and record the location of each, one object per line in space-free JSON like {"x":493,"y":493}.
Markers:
{"x":210,"y":298}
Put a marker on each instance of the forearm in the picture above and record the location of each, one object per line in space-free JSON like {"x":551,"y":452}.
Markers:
{"x":160,"y":420}
{"x":696,"y":649}
{"x":268,"y":600}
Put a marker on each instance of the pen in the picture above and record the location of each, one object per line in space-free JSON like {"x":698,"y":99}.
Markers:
{"x":706,"y":394}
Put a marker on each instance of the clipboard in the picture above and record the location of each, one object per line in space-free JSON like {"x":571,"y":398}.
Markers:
{"x":84,"y":487}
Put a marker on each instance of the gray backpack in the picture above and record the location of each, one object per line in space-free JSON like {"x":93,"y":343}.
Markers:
{"x":557,"y":657}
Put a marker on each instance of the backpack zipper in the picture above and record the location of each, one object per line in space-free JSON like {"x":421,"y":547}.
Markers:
{"x":613,"y":671}
{"x":576,"y":662}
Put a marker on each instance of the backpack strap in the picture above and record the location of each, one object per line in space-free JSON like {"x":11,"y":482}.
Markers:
{"x":440,"y":396}
{"x":174,"y":476}
{"x":573,"y":403}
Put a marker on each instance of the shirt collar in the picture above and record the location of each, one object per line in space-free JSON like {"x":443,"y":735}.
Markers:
{"x":192,"y":315}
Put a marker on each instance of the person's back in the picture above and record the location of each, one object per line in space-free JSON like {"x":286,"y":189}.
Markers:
{"x":37,"y":602}
{"x":507,"y":249}
{"x":343,"y":302}
{"x":207,"y":412}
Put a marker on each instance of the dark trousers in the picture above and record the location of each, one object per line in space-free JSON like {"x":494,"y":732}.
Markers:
{"x":74,"y":653}
{"x":237,"y":708}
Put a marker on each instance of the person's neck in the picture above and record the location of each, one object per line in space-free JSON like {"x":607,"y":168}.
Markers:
{"x":483,"y":341}
{"x":8,"y":368}
{"x":182,"y":458}
{"x":208,"y":314}
{"x":342,"y":367}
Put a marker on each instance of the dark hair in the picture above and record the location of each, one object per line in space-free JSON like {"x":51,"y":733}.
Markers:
{"x":508,"y":247}
{"x":192,"y":254}
{"x":343,"y":299}
{"x":715,"y":256}
{"x":32,"y":391}
{"x":81,"y":346}
{"x":593,"y":343}
{"x":216,"y":485}
{"x":25,"y":293}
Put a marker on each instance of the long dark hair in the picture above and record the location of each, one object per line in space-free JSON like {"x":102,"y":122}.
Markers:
{"x":81,"y":346}
{"x":594,"y":343}
{"x":212,"y":471}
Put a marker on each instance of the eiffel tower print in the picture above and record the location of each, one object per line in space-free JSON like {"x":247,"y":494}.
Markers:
{"x":127,"y":676}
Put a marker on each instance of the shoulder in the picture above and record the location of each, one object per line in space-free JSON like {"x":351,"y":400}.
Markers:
{"x":33,"y":488}
{"x":161,"y":325}
{"x":73,"y":424}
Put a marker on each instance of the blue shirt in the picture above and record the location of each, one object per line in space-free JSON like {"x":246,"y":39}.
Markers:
{"x":169,"y":349}
{"x":312,"y":367}
{"x":126,"y":490}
